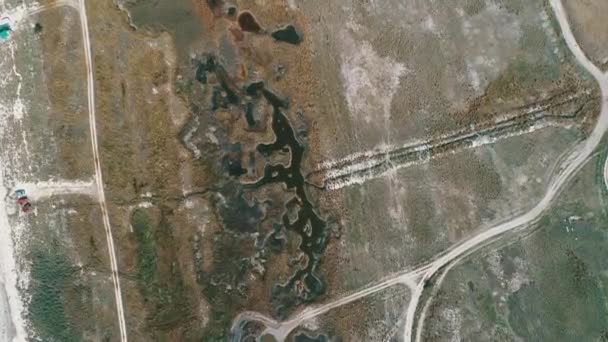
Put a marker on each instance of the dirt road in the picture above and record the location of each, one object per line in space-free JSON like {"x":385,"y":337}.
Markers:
{"x":568,"y":168}
{"x":98,"y":175}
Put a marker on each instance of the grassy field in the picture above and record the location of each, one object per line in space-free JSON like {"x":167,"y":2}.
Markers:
{"x":550,"y":285}
{"x":52,"y":275}
{"x":589,"y":27}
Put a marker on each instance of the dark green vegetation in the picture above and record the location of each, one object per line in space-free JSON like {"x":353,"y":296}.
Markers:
{"x":52,"y":275}
{"x":548,"y":286}
{"x":565,"y":299}
{"x":147,"y":256}
{"x":160,"y":283}
{"x":287,"y":34}
{"x":306,"y":338}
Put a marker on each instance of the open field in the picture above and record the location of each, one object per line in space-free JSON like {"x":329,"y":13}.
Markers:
{"x":590,"y":27}
{"x":205,"y":170}
{"x":69,"y":272}
{"x":548,"y":285}
{"x":410,"y":214}
{"x":379,"y":317}
{"x":493,"y":58}
{"x":578,"y":155}
{"x":400,"y":218}
{"x":433,"y":206}
{"x":61,"y":266}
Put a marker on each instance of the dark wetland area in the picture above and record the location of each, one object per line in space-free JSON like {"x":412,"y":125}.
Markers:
{"x":262,"y":205}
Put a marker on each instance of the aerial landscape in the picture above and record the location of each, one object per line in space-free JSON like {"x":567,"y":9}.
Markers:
{"x":303,"y":170}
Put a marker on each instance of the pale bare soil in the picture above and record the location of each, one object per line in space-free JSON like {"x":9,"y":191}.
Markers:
{"x":588,"y":18}
{"x":458,"y":65}
{"x":60,"y":253}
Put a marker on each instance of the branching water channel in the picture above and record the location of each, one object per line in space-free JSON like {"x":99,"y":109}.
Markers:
{"x":304,"y":285}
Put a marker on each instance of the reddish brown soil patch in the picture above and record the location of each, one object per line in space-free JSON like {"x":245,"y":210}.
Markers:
{"x":249,"y":23}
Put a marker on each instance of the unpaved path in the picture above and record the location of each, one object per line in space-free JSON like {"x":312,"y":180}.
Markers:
{"x":45,"y":189}
{"x":41,"y":190}
{"x":606,"y":173}
{"x":572,"y":164}
{"x":280,"y":330}
{"x":13,"y":326}
{"x":84,"y":24}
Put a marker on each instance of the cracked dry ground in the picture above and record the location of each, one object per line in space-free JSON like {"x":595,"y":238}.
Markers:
{"x":210,"y":117}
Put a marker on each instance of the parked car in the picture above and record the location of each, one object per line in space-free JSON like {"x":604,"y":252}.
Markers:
{"x":22,"y":200}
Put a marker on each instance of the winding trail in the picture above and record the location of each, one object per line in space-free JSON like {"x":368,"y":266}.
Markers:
{"x":280,"y":330}
{"x":568,"y":168}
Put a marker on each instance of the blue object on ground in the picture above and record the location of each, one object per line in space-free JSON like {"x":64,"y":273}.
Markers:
{"x":19,"y":193}
{"x":5,"y":32}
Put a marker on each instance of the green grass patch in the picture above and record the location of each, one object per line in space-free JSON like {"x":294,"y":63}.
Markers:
{"x":161,"y":285}
{"x":147,"y":257}
{"x":51,"y":274}
{"x":487,"y":307}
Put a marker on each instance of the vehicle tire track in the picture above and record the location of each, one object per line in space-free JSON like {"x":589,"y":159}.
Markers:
{"x":98,"y":174}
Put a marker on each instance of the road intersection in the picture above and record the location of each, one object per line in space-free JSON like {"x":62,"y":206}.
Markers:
{"x":16,"y":17}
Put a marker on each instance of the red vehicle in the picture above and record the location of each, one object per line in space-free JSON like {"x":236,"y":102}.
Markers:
{"x":22,"y":200}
